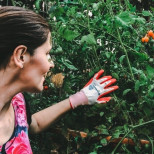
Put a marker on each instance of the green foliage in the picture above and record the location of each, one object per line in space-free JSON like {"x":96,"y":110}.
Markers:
{"x":88,"y":36}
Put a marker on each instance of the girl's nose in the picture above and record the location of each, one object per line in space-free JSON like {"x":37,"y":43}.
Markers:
{"x":50,"y":60}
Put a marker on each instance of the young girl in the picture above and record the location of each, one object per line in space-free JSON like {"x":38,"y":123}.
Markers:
{"x":25,"y":43}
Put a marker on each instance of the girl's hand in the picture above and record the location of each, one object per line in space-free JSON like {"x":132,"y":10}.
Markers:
{"x":94,"y":91}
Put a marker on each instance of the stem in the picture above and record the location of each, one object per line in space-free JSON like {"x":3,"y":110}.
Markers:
{"x":145,"y":123}
{"x":152,"y":146}
{"x":125,"y":51}
{"x":57,"y":1}
{"x":120,"y":4}
{"x":126,"y":3}
{"x":89,"y":61}
{"x":97,"y":57}
{"x":123,"y":43}
{"x":94,"y":48}
{"x":132,"y":127}
{"x":121,"y":141}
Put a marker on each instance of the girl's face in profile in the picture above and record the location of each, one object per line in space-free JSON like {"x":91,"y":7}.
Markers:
{"x":35,"y":71}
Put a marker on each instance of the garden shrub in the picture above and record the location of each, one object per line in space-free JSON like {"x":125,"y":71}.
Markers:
{"x":87,"y":36}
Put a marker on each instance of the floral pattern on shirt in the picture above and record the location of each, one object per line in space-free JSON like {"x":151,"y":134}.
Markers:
{"x":19,"y":142}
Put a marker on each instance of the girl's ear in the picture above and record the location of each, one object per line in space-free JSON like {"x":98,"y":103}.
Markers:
{"x":20,"y":55}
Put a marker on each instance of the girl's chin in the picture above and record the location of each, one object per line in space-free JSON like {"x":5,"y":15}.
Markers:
{"x":37,"y":89}
{"x":40,"y":89}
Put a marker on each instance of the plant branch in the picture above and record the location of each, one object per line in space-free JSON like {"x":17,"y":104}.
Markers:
{"x":132,"y":127}
{"x":121,"y":141}
{"x":94,"y":48}
{"x":125,"y":51}
{"x":145,"y":123}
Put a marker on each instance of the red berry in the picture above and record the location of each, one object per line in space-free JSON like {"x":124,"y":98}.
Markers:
{"x":46,"y":87}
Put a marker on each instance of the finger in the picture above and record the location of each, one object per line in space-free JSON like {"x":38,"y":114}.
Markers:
{"x":108,"y":83}
{"x":104,"y":99}
{"x":108,"y":90}
{"x":103,"y":79}
{"x":98,"y":74}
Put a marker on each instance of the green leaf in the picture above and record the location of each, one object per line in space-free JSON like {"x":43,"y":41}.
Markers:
{"x":96,"y":6}
{"x":104,"y":131}
{"x":150,"y":71}
{"x":137,"y":71}
{"x":137,"y":85}
{"x":140,"y":20}
{"x":68,"y":64}
{"x":146,"y":13}
{"x":115,"y":75}
{"x":88,"y":1}
{"x":108,"y":54}
{"x":71,"y":11}
{"x":140,"y":56}
{"x":93,"y":153}
{"x":37,"y":4}
{"x":126,"y":127}
{"x":132,"y":8}
{"x":101,"y":114}
{"x":61,"y":30}
{"x":126,"y":19}
{"x":151,"y":91}
{"x":126,"y":91}
{"x":70,"y":35}
{"x":116,"y":134}
{"x":104,"y":141}
{"x":143,"y":79}
{"x":89,"y":39}
{"x":122,"y":58}
{"x":67,"y":86}
{"x":57,"y":51}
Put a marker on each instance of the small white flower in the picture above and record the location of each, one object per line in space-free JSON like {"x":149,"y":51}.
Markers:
{"x":113,"y":50}
{"x":85,"y":11}
{"x":106,"y":42}
{"x":90,"y":14}
{"x":64,"y":25}
{"x":54,"y":18}
{"x":99,"y":42}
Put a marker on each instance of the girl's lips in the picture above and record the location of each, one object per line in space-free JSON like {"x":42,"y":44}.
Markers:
{"x":45,"y":75}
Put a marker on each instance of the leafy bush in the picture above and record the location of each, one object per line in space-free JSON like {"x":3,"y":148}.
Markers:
{"x":88,"y":36}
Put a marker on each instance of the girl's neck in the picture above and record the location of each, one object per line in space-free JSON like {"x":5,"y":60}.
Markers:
{"x":8,"y":89}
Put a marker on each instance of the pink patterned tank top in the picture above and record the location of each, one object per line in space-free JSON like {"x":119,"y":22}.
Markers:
{"x":19,"y":141}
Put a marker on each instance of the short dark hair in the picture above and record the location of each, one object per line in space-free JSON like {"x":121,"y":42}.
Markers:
{"x":20,"y":26}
